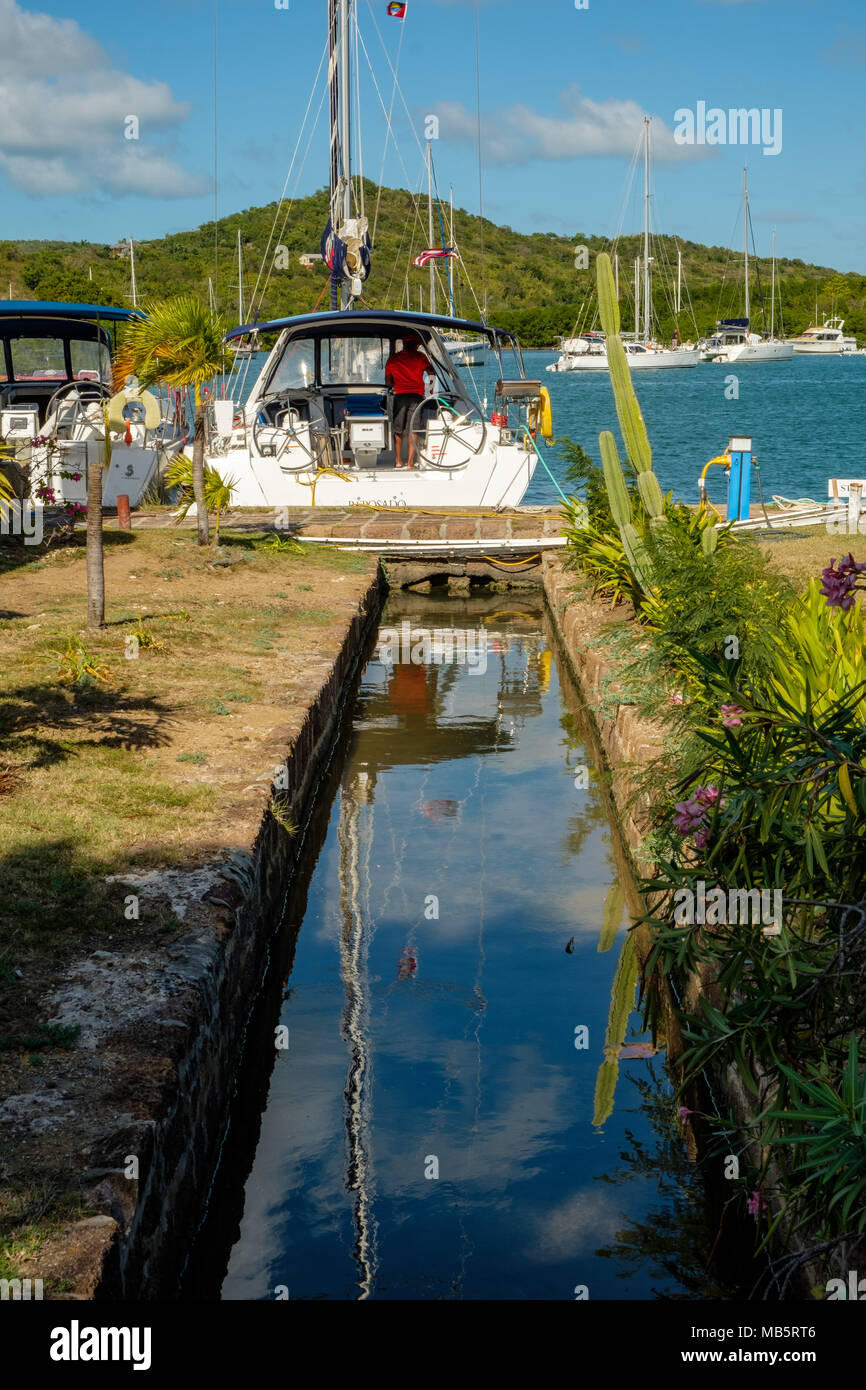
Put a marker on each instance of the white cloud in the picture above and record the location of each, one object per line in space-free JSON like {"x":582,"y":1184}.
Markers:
{"x":586,"y":129}
{"x":64,"y":107}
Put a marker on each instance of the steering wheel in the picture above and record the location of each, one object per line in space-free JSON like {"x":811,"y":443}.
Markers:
{"x":455,"y":423}
{"x":84,"y":394}
{"x":285,"y":432}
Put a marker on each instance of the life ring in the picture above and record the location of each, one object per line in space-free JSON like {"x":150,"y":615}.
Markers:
{"x":545,"y":415}
{"x":539,"y":416}
{"x":132,"y":394}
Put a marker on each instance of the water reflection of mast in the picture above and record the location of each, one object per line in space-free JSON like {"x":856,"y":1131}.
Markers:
{"x":354,"y":951}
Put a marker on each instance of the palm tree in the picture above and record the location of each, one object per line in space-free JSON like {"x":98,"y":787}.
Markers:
{"x":217,"y":490}
{"x":179,"y":342}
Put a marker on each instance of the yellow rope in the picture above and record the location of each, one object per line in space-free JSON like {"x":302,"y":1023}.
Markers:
{"x":509,"y":564}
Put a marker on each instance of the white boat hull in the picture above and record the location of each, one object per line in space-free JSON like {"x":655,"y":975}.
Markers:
{"x":497,"y":477}
{"x":649,"y":361}
{"x":751,"y":352}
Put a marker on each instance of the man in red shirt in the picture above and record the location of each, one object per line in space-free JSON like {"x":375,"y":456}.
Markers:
{"x":404,"y":371}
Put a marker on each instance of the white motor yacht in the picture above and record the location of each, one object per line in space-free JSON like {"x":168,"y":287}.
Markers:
{"x":828,"y":339}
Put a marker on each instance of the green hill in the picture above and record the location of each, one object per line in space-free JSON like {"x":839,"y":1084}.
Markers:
{"x":528,"y":281}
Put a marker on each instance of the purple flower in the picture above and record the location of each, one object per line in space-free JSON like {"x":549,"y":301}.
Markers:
{"x":690,"y":817}
{"x":756,"y":1205}
{"x":838,"y":584}
{"x":707,"y":796}
{"x":684,"y":1112}
{"x":731,"y":716}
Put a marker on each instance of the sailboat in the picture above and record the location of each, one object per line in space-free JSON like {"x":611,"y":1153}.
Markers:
{"x":320,"y":426}
{"x":734,"y":340}
{"x":587,"y":352}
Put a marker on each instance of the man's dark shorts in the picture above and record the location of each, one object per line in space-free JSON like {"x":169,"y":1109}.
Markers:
{"x":403,"y":407}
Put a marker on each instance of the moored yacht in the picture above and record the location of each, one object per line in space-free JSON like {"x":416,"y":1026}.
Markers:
{"x":323,"y":426}
{"x":588,"y":353}
{"x":733,"y":341}
{"x":318,"y":427}
{"x":55,"y":391}
{"x":828,"y":339}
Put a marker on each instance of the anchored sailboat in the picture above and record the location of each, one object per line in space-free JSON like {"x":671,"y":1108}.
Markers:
{"x":319,"y":426}
{"x":587,"y":352}
{"x":734,"y":340}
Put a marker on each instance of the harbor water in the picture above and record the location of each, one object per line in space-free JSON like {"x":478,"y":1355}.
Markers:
{"x":435,"y":1103}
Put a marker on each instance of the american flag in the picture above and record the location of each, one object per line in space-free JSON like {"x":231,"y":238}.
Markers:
{"x":435,"y":253}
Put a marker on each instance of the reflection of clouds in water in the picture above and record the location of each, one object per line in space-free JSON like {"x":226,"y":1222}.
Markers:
{"x":515,"y":908}
{"x":521,"y":1118}
{"x":305,"y":1114}
{"x":574,"y":1228}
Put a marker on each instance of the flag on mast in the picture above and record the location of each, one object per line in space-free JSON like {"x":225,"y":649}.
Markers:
{"x":397,"y":9}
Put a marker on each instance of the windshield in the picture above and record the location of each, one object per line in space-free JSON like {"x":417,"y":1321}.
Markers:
{"x":38,"y":359}
{"x":360,"y":361}
{"x":297,"y":366}
{"x":91,"y":361}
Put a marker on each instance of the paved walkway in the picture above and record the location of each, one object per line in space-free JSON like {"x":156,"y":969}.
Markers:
{"x":357,"y":523}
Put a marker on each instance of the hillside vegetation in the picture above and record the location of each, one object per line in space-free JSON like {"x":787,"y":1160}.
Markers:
{"x":527,"y":281}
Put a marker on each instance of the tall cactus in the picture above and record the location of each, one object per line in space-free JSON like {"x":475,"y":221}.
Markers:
{"x":634,"y":434}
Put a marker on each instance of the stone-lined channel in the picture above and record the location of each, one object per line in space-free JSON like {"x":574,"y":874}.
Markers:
{"x":434,"y":1122}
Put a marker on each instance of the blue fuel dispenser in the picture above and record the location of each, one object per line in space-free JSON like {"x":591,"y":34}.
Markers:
{"x":740,"y":479}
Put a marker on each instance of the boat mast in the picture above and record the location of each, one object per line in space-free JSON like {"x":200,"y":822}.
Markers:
{"x":132,"y":269}
{"x":773,"y":287}
{"x":345,"y":128}
{"x":679,"y":277}
{"x":240,"y":281}
{"x":646,"y":210}
{"x":333,"y":113}
{"x":616,"y":274}
{"x":637,"y":297}
{"x":746,"y":237}
{"x":430,"y":224}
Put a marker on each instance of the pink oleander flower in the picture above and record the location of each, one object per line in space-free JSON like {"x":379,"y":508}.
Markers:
{"x":756,"y":1205}
{"x":690,"y":817}
{"x":677,"y":697}
{"x":683,"y":1112}
{"x":731,"y":716}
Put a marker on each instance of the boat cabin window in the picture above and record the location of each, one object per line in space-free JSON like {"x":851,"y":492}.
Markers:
{"x":38,"y":359}
{"x":90,"y":360}
{"x":359,"y":361}
{"x":297,"y":366}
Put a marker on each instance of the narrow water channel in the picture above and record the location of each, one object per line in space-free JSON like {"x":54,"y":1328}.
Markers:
{"x":449,"y":1115}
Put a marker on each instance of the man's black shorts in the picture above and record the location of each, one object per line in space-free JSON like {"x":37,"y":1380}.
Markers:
{"x":403,"y":407}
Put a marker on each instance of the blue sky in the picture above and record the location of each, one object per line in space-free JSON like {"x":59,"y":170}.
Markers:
{"x":563,"y":92}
